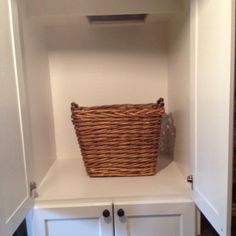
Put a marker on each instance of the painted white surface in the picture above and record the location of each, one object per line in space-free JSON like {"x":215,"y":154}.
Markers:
{"x":90,"y":7}
{"x":179,"y":86}
{"x":67,"y":60}
{"x":75,"y":221}
{"x":73,"y":227}
{"x":165,"y":219}
{"x":142,"y":217}
{"x":14,"y":194}
{"x":68,"y":180}
{"x":213,"y":110}
{"x":81,"y":20}
{"x":39,"y":95}
{"x":99,"y":65}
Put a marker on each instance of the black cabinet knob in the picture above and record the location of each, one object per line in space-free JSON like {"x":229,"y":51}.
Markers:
{"x":106,"y":213}
{"x":120,"y":212}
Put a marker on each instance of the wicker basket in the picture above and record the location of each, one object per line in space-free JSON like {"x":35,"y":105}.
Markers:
{"x":119,"y":140}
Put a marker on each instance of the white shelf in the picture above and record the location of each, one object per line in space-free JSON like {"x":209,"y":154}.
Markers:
{"x":68,"y":181}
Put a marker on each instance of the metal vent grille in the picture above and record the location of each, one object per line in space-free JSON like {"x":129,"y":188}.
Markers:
{"x":139,"y":18}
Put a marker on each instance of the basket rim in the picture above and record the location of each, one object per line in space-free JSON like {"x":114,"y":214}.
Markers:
{"x":158,"y":104}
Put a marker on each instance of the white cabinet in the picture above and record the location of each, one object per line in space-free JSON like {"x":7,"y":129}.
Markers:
{"x":50,"y":56}
{"x":166,"y":219}
{"x":15,"y":174}
{"x":212,"y":150}
{"x":83,"y":220}
{"x":128,"y":219}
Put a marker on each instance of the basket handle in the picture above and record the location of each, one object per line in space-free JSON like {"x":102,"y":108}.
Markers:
{"x":74,"y":106}
{"x":160,"y":102}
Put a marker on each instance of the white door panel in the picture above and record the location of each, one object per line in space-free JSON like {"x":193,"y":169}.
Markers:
{"x":152,"y":219}
{"x":14,"y":194}
{"x":212,"y":36}
{"x":73,"y":221}
{"x":73,"y":227}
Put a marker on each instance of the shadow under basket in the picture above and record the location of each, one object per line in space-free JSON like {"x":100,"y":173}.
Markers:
{"x":119,"y":140}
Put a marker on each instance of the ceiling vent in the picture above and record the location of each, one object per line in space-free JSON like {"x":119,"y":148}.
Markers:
{"x":128,"y":18}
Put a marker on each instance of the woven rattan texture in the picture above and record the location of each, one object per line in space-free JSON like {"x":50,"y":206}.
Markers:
{"x":119,"y":140}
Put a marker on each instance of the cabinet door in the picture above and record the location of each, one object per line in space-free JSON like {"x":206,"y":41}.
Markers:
{"x":152,"y":219}
{"x":14,"y":193}
{"x":84,"y":220}
{"x":212,"y":68}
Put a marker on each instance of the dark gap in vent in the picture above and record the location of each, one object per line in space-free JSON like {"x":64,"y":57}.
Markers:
{"x":117,"y":18}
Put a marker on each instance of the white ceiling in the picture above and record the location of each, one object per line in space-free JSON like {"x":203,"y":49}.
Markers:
{"x":101,"y":7}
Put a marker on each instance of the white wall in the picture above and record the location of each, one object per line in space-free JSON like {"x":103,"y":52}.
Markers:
{"x":39,"y":95}
{"x":179,"y":86}
{"x":95,"y":65}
